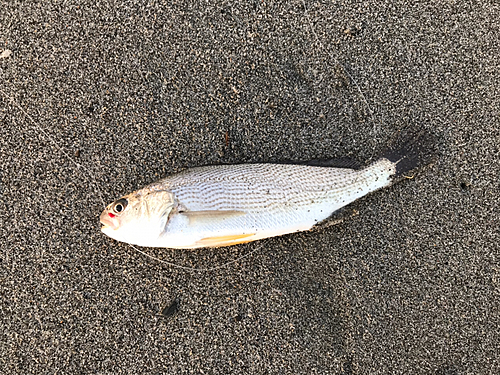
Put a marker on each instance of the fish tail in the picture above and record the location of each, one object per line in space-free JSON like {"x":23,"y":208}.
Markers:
{"x":410,"y":151}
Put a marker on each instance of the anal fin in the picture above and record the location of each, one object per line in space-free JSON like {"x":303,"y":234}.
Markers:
{"x":336,"y":218}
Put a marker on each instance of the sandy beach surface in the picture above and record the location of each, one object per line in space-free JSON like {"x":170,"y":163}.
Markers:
{"x":101,"y":98}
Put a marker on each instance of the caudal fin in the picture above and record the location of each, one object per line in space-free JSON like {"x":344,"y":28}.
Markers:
{"x":412,"y":150}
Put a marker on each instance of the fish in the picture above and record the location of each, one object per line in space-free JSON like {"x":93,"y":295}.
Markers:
{"x":224,"y":205}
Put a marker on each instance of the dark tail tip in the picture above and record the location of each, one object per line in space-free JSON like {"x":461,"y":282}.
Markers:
{"x":412,"y":150}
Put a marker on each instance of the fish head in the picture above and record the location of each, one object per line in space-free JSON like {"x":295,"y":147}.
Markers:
{"x":138,"y":218}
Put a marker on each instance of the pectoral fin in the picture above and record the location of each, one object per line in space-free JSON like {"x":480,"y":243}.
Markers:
{"x":199,"y":217}
{"x":225,"y":240}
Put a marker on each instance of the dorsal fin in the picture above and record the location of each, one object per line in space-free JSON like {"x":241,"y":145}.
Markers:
{"x":329,"y":163}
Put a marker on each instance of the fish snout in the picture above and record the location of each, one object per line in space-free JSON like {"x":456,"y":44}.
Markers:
{"x":108,"y":221}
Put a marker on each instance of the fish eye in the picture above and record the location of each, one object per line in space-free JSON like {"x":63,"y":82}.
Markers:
{"x":120,"y":205}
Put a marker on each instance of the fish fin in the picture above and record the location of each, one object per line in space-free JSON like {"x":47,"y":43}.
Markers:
{"x":329,"y":163}
{"x":197,"y":217}
{"x":412,"y":150}
{"x":335,"y":163}
{"x":337,"y":217}
{"x":224,"y":240}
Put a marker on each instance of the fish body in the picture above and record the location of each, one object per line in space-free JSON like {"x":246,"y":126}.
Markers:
{"x":229,"y":204}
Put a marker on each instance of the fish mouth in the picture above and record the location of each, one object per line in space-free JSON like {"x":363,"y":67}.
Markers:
{"x":107,"y":222}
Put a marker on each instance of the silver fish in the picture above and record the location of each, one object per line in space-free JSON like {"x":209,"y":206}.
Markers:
{"x":231,"y":204}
